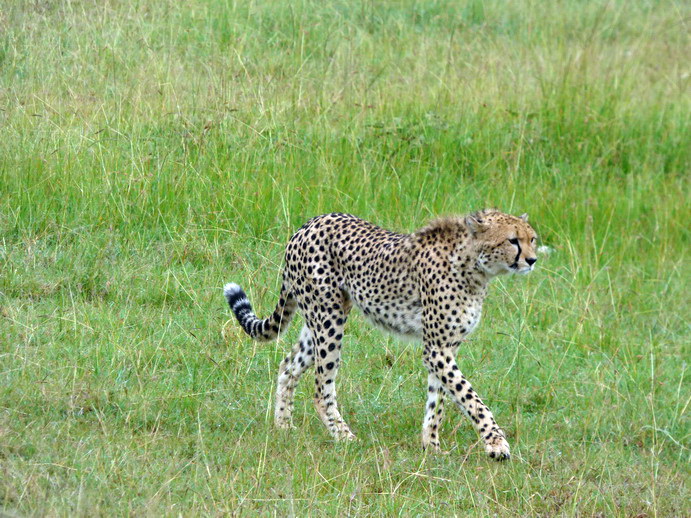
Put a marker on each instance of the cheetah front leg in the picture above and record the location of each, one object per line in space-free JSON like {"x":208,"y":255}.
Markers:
{"x":434,"y":411}
{"x":443,"y":365}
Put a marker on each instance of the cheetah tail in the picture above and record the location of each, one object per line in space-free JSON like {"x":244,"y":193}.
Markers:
{"x":263,"y":330}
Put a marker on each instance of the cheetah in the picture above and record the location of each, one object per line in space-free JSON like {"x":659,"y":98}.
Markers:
{"x":428,"y":285}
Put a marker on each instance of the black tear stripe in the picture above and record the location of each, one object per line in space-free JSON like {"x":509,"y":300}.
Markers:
{"x":518,"y":255}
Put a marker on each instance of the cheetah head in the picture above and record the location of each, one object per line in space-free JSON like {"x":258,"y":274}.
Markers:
{"x":504,"y":243}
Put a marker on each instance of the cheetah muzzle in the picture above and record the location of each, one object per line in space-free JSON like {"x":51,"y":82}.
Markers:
{"x":427,"y":285}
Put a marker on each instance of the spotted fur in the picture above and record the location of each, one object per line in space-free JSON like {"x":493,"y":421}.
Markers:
{"x":427,"y":285}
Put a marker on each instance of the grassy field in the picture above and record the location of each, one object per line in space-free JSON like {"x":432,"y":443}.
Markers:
{"x":152,"y":151}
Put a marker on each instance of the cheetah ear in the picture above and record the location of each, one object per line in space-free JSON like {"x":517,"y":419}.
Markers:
{"x":475,"y":223}
{"x":524,"y":217}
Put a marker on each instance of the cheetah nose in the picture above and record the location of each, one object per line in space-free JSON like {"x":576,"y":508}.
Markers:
{"x":531,"y":260}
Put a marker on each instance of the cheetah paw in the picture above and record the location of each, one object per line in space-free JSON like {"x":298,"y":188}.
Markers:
{"x":346,"y":435}
{"x":285,"y":424}
{"x":343,"y":434}
{"x":498,"y":448}
{"x":434,"y":449}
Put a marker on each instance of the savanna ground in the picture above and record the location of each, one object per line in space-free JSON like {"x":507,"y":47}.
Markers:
{"x":151,"y":151}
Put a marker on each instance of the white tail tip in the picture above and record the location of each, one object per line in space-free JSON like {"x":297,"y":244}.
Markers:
{"x":231,"y":289}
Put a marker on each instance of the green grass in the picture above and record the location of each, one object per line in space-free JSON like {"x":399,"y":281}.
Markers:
{"x":151,"y":151}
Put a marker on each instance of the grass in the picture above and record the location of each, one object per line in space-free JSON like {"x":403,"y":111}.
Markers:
{"x":152,"y":151}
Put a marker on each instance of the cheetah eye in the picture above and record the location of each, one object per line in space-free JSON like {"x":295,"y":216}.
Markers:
{"x":513,"y":241}
{"x":533,"y":240}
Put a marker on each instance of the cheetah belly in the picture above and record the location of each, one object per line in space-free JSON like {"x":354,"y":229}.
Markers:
{"x":400,"y":317}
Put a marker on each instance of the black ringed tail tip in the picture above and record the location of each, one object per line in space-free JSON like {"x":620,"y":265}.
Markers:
{"x":260,"y":329}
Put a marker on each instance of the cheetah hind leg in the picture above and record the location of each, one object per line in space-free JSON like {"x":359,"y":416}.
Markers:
{"x":327,"y":358}
{"x":300,"y":359}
